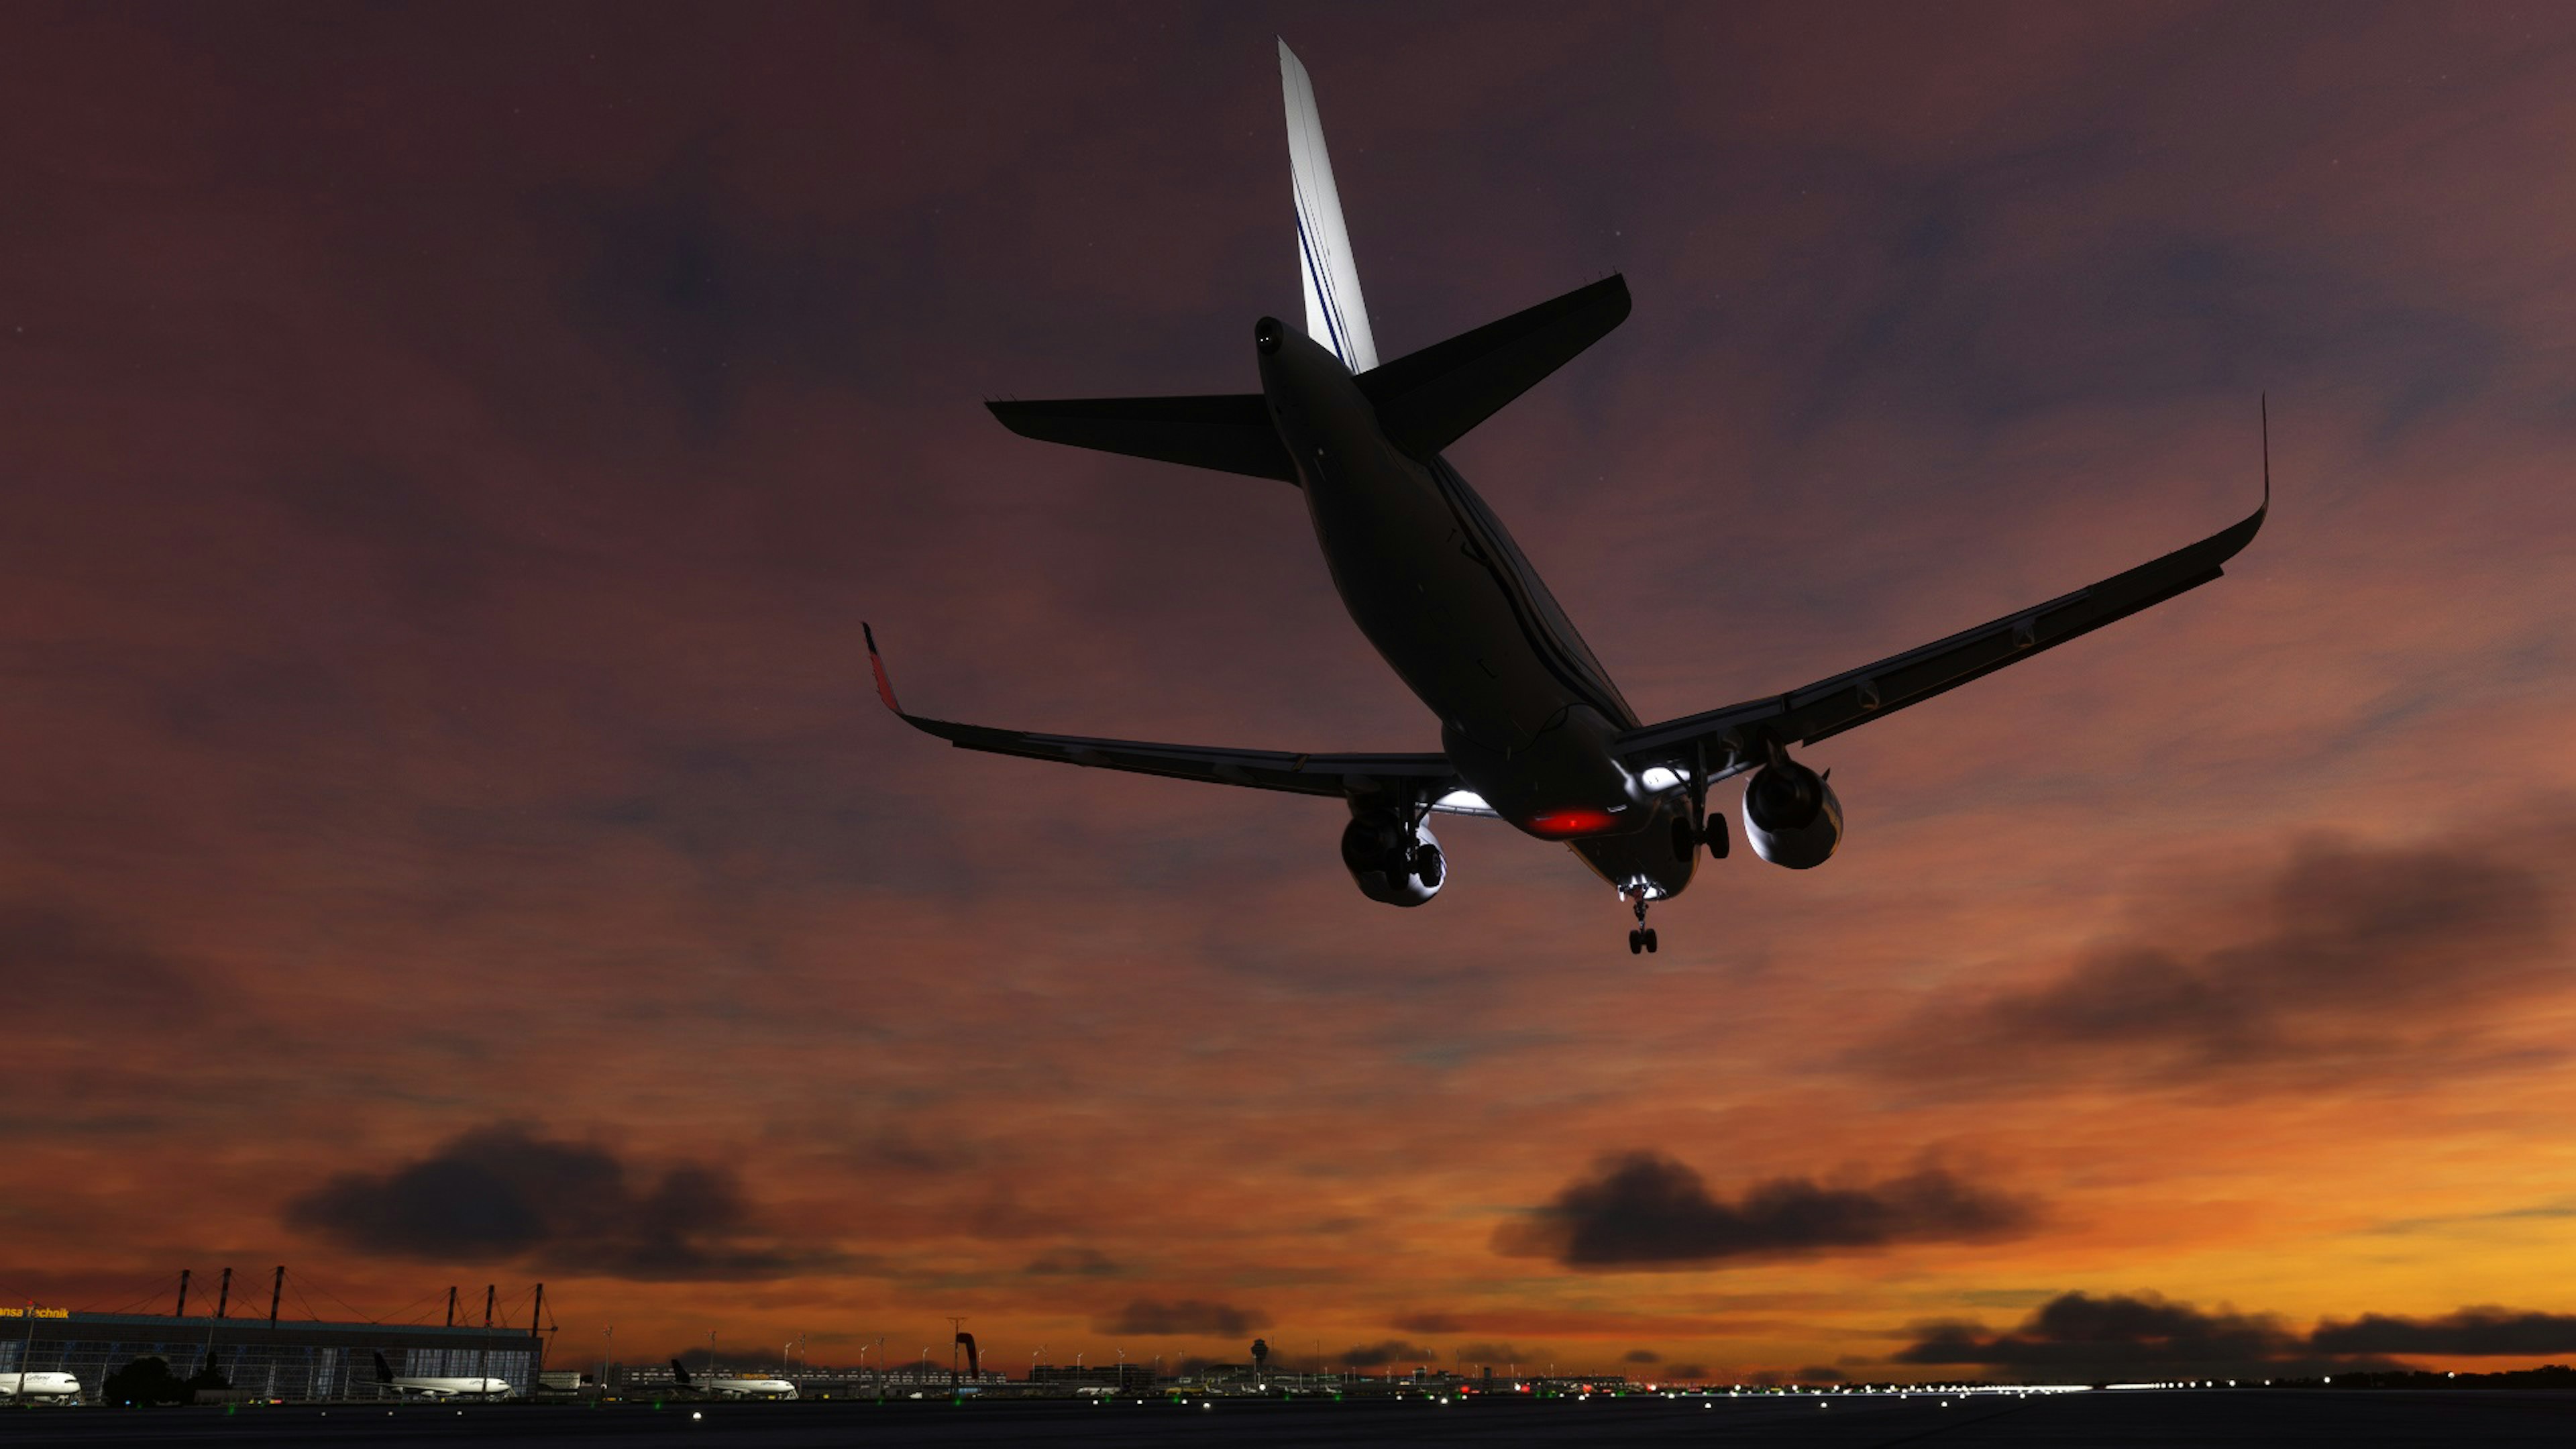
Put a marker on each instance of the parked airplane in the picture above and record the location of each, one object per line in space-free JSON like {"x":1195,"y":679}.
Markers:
{"x":41,"y":1388}
{"x":440,"y":1388}
{"x":725,"y":1388}
{"x":1532,"y":730}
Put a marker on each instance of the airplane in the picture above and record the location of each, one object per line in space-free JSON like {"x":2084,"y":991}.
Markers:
{"x":725,"y":1388}
{"x":41,"y":1388}
{"x":1532,"y":730}
{"x":440,"y":1388}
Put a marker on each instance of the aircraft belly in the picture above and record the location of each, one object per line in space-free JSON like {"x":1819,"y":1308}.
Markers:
{"x":1645,"y":857}
{"x":1431,"y":610}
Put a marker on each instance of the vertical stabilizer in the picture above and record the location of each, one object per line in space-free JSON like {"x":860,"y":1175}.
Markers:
{"x":1335,"y":315}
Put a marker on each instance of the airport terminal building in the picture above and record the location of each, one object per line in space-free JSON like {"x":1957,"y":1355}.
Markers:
{"x":265,"y":1358}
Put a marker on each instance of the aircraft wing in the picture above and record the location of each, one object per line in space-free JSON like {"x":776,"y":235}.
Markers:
{"x":1730,"y":740}
{"x":1423,"y":777}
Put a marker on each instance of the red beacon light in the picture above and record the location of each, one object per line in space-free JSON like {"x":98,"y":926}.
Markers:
{"x":1566,"y":824}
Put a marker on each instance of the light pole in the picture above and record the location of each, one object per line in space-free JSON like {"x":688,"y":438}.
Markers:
{"x":1039,"y":1353}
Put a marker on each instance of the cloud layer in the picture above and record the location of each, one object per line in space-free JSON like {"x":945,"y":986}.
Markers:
{"x":2352,"y":952}
{"x":503,"y":1193}
{"x":2081,"y":1336}
{"x":1642,"y":1210}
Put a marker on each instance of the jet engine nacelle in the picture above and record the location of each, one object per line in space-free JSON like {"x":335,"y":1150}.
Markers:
{"x":1791,"y":816}
{"x":1392,"y":863}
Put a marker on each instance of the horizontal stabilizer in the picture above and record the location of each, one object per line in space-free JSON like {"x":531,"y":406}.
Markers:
{"x":1229,"y":432}
{"x":1429,"y":399}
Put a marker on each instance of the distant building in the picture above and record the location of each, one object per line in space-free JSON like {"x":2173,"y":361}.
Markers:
{"x":291,"y":1359}
{"x":1105,"y":1375}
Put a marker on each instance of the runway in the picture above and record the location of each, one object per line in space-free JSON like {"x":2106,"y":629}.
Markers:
{"x":2250,"y":1417}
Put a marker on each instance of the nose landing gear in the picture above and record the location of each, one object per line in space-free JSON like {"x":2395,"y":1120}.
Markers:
{"x":1643,"y":937}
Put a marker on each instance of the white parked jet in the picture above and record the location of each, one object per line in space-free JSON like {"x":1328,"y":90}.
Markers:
{"x":440,"y":1388}
{"x":1531,"y":728}
{"x":41,"y":1388}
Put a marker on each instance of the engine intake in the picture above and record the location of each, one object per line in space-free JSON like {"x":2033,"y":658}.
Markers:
{"x":1391,"y":863}
{"x":1791,"y":816}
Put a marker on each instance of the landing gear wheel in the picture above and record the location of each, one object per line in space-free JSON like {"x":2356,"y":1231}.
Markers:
{"x":1649,"y":934}
{"x":1636,"y":942}
{"x":1716,"y":837}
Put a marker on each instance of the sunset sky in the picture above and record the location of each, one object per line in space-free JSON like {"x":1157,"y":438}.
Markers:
{"x":447,"y":834}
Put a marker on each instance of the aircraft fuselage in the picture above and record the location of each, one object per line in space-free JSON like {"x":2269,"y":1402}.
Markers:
{"x":1437,"y":585}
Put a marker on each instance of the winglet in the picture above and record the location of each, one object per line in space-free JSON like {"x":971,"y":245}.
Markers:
{"x":2263,"y":401}
{"x":885,"y":690}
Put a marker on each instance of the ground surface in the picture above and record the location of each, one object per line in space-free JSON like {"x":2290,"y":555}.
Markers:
{"x":2244,"y":1417}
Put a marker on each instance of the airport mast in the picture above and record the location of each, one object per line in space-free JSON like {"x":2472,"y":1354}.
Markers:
{"x":483,"y":1359}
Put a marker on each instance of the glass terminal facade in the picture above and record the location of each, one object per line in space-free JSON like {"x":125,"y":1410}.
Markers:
{"x":286,"y":1360}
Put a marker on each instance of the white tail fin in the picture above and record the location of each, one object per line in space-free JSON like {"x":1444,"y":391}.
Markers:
{"x":1335,"y":314}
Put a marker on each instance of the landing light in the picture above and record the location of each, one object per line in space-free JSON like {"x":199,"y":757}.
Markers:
{"x":1656,"y":777}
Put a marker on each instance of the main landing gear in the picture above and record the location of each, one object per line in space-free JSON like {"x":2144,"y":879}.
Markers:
{"x":1642,"y":938}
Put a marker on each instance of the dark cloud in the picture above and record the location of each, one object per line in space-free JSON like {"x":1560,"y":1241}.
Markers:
{"x":1816,"y":1373}
{"x":1645,"y":1211}
{"x":1183,"y":1315}
{"x":2486,"y":1330}
{"x":1428,"y":1323}
{"x":2082,"y":1338}
{"x":1642,"y":1355}
{"x":74,"y":962}
{"x":2352,"y":950}
{"x":1385,"y":1352}
{"x":501,"y":1192}
{"x":1685,"y":1373}
{"x":1500,"y":1354}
